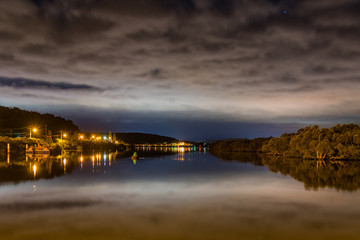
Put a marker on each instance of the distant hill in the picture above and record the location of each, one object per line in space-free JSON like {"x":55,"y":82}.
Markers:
{"x":143,"y":138}
{"x":18,"y":121}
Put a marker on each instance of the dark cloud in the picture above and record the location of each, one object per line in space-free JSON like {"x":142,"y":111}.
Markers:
{"x":170,"y":35}
{"x":344,"y":54}
{"x":39,"y":49}
{"x":323,"y":69}
{"x":10,"y":36}
{"x":71,"y":21}
{"x":156,"y":74}
{"x":37,"y":84}
{"x":289,"y":78}
{"x":306,"y":88}
{"x":224,"y":7}
{"x":47,"y":205}
{"x":7,"y":58}
{"x":93,"y":58}
{"x":247,"y":58}
{"x":181,"y":6}
{"x":79,"y":28}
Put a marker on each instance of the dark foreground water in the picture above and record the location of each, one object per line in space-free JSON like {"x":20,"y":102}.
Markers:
{"x":184,"y":195}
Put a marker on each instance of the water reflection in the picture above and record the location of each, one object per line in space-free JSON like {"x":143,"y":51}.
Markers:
{"x":34,"y":167}
{"x":340,"y":175}
{"x":22,"y":168}
{"x":177,"y":195}
{"x":244,"y":157}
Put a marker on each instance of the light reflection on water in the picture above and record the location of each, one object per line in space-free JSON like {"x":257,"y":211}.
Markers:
{"x":166,"y":195}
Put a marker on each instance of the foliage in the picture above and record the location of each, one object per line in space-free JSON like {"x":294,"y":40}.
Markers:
{"x":338,"y":142}
{"x":89,"y":146}
{"x":341,"y":142}
{"x":19,"y":121}
{"x":144,"y":138}
{"x":18,"y":146}
{"x":238,"y":145}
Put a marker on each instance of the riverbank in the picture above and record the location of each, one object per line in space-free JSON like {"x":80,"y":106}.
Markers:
{"x":17,"y":146}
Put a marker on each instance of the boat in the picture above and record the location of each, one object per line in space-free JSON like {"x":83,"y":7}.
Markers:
{"x":134,"y":156}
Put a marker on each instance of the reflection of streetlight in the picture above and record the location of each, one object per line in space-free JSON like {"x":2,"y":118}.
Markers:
{"x":32,"y":130}
{"x":64,"y":165}
{"x":34,"y":171}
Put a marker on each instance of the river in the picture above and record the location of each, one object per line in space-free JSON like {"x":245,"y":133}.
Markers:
{"x":177,"y":194}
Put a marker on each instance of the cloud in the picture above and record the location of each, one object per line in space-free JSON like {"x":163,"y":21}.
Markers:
{"x":37,"y":84}
{"x":46,"y":205}
{"x":10,"y":36}
{"x":244,"y":57}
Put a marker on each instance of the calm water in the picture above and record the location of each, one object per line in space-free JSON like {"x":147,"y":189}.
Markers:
{"x":180,"y":195}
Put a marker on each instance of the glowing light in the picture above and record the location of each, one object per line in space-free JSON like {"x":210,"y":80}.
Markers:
{"x":34,"y":170}
{"x":92,"y":136}
{"x":64,"y":165}
{"x":104,"y":138}
{"x":34,"y":129}
{"x":64,"y":134}
{"x":81,"y":137}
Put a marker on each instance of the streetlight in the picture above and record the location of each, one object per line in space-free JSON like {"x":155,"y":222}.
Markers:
{"x":32,"y":130}
{"x":62,"y":135}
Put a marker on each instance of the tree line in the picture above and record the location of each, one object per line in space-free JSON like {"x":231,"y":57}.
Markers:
{"x":341,"y":142}
{"x":17,"y":121}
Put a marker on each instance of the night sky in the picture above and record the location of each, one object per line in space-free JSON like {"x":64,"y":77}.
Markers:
{"x":191,"y":69}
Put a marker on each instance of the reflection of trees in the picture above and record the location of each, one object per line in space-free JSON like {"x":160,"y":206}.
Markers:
{"x":22,"y":168}
{"x":251,"y":157}
{"x":340,"y":175}
{"x":149,"y":152}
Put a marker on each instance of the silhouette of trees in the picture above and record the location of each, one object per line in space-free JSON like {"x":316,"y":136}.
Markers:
{"x":15,"y":120}
{"x":143,"y":138}
{"x":338,"y":142}
{"x":341,"y":142}
{"x":239,"y":145}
